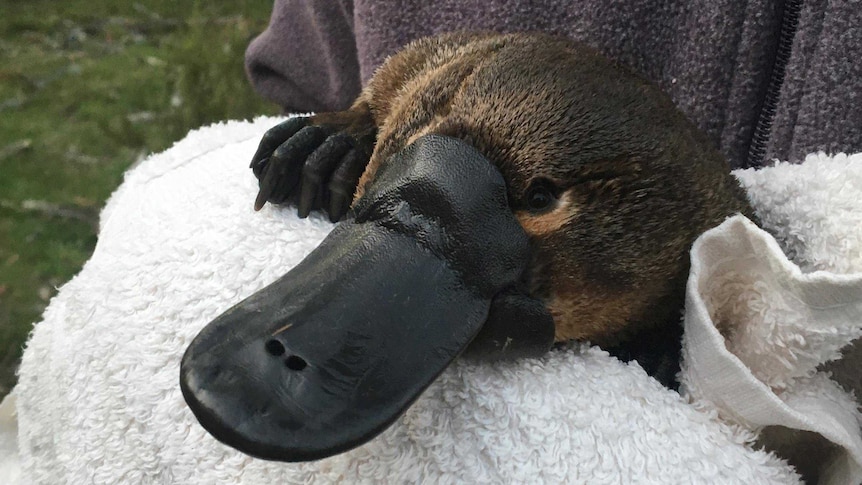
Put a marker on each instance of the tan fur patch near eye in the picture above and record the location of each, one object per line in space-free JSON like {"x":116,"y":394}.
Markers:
{"x":549,"y":222}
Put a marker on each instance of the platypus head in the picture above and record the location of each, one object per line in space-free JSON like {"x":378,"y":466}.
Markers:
{"x":555,"y":199}
{"x":611,"y":182}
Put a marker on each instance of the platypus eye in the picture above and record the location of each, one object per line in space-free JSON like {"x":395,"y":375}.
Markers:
{"x":540,"y":195}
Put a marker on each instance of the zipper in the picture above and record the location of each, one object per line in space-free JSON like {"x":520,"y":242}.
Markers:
{"x":763,"y":128}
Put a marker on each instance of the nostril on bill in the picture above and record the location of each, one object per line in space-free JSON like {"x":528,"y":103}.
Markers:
{"x":292,"y":362}
{"x":295,"y":362}
{"x":274,"y":348}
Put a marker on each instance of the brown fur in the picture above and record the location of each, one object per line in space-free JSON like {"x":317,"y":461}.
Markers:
{"x":638,"y":182}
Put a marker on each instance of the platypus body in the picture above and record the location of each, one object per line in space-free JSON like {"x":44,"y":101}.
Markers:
{"x":499,"y":193}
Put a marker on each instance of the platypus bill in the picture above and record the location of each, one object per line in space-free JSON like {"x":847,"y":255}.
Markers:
{"x":497,"y":194}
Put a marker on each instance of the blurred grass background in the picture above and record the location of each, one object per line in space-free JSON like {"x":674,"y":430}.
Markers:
{"x":87,"y":88}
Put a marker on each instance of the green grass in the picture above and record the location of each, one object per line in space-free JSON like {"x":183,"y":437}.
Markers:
{"x":86,"y":89}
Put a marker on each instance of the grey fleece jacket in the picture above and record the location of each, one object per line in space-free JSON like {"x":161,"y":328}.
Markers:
{"x":764,"y":79}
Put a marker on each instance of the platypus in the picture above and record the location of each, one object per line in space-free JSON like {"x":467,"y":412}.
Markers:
{"x":497,"y":194}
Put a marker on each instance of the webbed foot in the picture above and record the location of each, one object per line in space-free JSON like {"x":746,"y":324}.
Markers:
{"x":314,"y":162}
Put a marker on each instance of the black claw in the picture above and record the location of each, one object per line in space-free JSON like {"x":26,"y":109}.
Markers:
{"x":343,"y":183}
{"x":282,"y":172}
{"x":271,"y":140}
{"x":338,"y":205}
{"x":307,"y":198}
{"x":259,"y":201}
{"x":314,"y":166}
{"x":266,"y":185}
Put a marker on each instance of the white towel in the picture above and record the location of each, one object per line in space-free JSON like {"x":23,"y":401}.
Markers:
{"x":98,"y":398}
{"x":758,"y":327}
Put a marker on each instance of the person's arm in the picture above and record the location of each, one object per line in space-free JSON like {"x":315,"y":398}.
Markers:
{"x":306,"y":59}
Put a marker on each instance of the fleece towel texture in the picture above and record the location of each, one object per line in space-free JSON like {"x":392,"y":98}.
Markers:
{"x":98,"y":399}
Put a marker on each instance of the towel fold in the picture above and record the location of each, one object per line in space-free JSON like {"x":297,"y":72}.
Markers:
{"x":756,"y":329}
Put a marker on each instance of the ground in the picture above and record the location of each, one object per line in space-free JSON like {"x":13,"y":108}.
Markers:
{"x":88,"y":87}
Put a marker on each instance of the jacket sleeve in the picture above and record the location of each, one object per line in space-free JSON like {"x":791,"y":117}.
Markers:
{"x":306,"y":58}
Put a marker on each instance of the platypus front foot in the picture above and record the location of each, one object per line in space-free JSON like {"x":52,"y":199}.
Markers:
{"x":313,"y":162}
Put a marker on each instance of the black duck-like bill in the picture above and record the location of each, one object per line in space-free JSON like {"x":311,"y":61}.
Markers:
{"x":329,"y":355}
